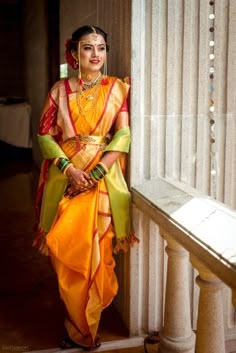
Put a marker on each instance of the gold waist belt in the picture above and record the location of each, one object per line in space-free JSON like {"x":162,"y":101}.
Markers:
{"x":89,"y":139}
{"x":93,"y":140}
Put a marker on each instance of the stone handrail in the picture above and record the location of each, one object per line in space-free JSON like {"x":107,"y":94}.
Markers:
{"x":203,"y":229}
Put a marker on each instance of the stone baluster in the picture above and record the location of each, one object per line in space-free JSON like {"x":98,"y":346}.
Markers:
{"x":210,"y":323}
{"x":176,"y":334}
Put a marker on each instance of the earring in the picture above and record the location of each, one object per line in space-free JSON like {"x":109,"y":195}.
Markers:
{"x":78,"y":62}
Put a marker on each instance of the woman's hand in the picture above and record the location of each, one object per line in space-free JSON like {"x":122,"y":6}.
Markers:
{"x":79,"y":181}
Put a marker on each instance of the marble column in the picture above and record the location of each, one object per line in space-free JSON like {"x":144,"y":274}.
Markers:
{"x":176,"y":334}
{"x":210,"y":323}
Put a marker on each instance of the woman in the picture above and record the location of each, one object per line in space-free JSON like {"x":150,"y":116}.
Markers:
{"x":83,"y":200}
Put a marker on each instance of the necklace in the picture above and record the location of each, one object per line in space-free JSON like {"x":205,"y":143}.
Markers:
{"x":87,"y":99}
{"x":89,"y":84}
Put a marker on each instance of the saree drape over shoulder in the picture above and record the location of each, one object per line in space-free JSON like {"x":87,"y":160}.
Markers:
{"x":78,"y":232}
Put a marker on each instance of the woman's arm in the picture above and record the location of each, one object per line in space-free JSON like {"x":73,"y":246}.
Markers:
{"x":110,"y":157}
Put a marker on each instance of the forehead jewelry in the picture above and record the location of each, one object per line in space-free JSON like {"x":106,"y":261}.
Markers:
{"x":95,"y":35}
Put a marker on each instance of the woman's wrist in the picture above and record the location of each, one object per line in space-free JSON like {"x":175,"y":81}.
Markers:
{"x":98,"y":172}
{"x":63,"y":164}
{"x":103,"y":166}
{"x":67,"y":170}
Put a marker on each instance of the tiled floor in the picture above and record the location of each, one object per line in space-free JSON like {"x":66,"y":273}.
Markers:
{"x":31,"y":312}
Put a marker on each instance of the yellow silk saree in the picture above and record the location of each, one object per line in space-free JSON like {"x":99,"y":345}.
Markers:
{"x":78,"y":232}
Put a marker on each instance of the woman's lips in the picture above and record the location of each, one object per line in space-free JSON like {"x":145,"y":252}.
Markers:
{"x":95,"y":61}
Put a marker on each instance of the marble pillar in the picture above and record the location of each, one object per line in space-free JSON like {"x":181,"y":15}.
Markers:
{"x":176,"y":334}
{"x":210,"y":323}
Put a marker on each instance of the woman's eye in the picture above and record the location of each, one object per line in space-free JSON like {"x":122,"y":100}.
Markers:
{"x":90,"y":48}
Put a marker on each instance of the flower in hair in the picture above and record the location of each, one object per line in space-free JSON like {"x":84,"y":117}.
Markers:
{"x":69,"y":58}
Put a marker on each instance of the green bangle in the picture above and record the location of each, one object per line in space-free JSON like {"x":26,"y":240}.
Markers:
{"x":98,"y":173}
{"x":101,"y":169}
{"x":68,"y":166}
{"x":63,"y":163}
{"x":93,"y":177}
{"x":65,"y":166}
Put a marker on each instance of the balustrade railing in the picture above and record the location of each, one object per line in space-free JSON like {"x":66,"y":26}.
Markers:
{"x":200,"y":231}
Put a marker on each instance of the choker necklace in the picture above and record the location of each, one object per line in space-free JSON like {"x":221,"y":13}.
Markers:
{"x":89,"y":91}
{"x":89,"y":84}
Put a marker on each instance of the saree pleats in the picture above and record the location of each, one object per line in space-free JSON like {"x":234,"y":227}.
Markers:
{"x":82,"y":257}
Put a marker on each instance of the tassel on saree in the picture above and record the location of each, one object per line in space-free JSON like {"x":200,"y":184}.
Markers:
{"x":125,"y":243}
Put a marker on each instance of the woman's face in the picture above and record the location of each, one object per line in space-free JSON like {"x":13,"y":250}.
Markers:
{"x":92,"y":53}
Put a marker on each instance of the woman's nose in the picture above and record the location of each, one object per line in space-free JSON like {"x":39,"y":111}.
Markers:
{"x":95,"y":51}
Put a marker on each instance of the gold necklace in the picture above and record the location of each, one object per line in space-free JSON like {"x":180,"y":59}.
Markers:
{"x":89,"y":84}
{"x":86,"y":101}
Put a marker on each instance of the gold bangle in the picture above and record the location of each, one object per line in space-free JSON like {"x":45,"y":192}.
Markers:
{"x":68,"y":166}
{"x":104,"y":167}
{"x":56,"y":161}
